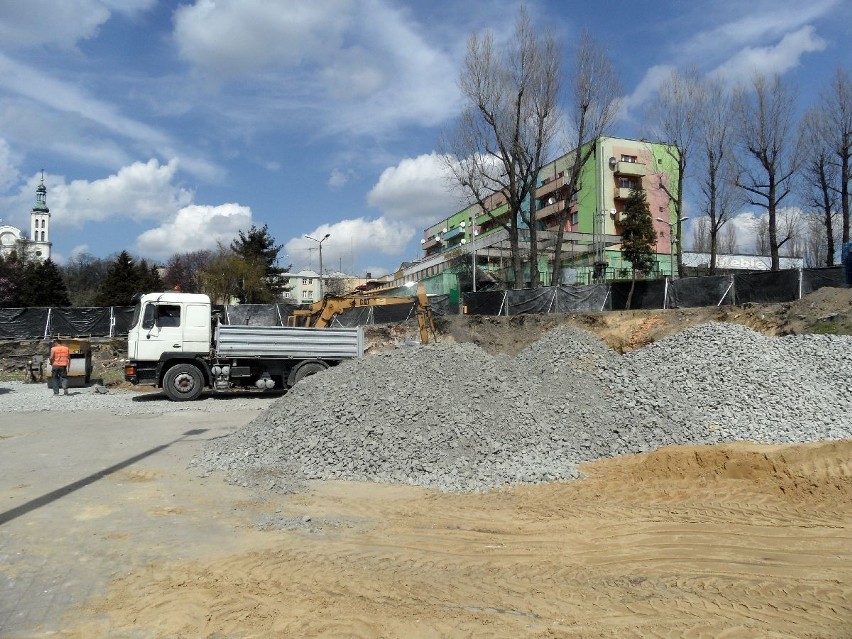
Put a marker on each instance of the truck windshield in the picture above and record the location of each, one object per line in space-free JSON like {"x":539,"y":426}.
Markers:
{"x":137,"y":311}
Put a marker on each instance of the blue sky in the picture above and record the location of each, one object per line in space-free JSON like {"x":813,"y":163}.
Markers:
{"x":163,"y":127}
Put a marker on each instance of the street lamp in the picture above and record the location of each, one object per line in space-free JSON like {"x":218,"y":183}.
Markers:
{"x":320,"y":258}
{"x":672,"y":241}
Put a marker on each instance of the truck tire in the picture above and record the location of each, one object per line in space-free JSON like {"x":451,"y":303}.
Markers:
{"x":307,"y":369}
{"x":183,"y":383}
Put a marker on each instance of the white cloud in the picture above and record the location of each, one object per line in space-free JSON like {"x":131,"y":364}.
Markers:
{"x":418,"y":190}
{"x":647,"y":88}
{"x":194,"y":228}
{"x":337,"y":179}
{"x":363,"y":67}
{"x":47,"y":22}
{"x":779,"y":58}
{"x":9,"y":173}
{"x":38,"y":22}
{"x":231,"y":37}
{"x":347,"y":240}
{"x":143,"y":190}
{"x":760,"y":21}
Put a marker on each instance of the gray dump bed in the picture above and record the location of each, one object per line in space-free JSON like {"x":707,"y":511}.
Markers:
{"x":289,"y":342}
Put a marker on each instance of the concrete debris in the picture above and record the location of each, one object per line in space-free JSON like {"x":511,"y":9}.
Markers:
{"x":454,"y":418}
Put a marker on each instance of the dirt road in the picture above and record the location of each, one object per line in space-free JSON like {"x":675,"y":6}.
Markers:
{"x":734,"y":541}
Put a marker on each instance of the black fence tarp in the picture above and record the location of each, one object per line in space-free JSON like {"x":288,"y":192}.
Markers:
{"x":816,"y":278}
{"x":122,"y":316}
{"x":582,"y":299}
{"x":766,"y":287}
{"x":648,"y":294}
{"x":484,"y":303}
{"x":691,"y":292}
{"x":534,"y":300}
{"x":80,"y":322}
{"x":252,"y":315}
{"x":23,"y":323}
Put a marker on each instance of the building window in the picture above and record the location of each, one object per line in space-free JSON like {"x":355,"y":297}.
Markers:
{"x":307,"y":295}
{"x":42,"y":236}
{"x":574,"y":218}
{"x":627,"y":183}
{"x":306,"y":281}
{"x":629,"y":158}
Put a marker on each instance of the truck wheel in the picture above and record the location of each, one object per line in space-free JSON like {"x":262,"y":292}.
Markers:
{"x":307,"y":369}
{"x":183,"y":383}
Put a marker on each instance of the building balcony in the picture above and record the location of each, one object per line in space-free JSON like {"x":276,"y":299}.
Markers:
{"x":550,"y":209}
{"x":554,"y":184}
{"x":634,"y":169}
{"x":430,"y":243}
{"x":622,"y":193}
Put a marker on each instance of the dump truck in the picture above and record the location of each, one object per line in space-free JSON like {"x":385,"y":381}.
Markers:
{"x":176,"y":342}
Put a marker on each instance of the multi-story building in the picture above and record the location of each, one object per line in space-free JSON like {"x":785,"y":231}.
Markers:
{"x":38,"y":244}
{"x":592,"y":221}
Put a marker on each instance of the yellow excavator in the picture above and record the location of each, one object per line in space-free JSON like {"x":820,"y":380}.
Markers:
{"x":320,"y":314}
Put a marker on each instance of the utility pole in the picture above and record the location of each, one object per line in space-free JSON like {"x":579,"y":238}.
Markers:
{"x":320,"y":259}
{"x":672,"y":242}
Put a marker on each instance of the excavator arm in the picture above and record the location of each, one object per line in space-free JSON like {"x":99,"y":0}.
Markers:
{"x":320,"y":314}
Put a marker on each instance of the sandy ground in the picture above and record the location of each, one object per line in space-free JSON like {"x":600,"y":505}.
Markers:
{"x":727,"y":541}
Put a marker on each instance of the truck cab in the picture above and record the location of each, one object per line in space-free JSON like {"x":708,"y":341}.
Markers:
{"x":167,"y":327}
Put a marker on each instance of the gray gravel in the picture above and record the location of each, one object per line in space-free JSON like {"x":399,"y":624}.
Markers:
{"x":18,"y":397}
{"x":455,"y":418}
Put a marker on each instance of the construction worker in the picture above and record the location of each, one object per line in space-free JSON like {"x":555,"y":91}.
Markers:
{"x":60,"y":358}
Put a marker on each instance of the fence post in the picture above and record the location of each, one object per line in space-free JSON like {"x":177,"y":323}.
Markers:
{"x":801,"y":275}
{"x":666,"y":294}
{"x":47,"y":323}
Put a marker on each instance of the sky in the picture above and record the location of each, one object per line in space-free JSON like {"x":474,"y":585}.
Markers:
{"x":165,"y":127}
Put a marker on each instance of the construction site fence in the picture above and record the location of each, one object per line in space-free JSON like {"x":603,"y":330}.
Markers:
{"x":764,"y":287}
{"x":114,"y":321}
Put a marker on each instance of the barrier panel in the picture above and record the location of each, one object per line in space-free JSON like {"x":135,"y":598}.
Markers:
{"x":691,"y":292}
{"x":582,"y":299}
{"x":648,"y":294}
{"x":533,"y":300}
{"x":766,"y":287}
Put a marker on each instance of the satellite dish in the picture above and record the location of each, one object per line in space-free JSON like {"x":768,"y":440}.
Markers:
{"x":550,"y":200}
{"x":612,"y":212}
{"x":612,"y":163}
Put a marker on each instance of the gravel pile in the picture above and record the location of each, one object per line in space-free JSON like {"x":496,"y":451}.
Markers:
{"x":455,"y":418}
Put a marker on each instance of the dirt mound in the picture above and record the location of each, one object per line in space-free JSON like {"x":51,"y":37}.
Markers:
{"x":821,"y":470}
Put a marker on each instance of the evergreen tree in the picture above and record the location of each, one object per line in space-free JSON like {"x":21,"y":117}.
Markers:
{"x":9,"y":281}
{"x":41,"y":284}
{"x":637,"y":236}
{"x":120,"y":284}
{"x":258,"y":249}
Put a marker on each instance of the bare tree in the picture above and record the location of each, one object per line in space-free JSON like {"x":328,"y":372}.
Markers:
{"x":718,"y":172}
{"x":593,"y":103}
{"x":837,"y":110}
{"x":728,"y":244}
{"x":676,"y":115}
{"x":509,"y":121}
{"x":815,"y":242}
{"x":701,"y":236}
{"x":820,"y":176}
{"x":790,"y":224}
{"x":761,"y":235}
{"x":765,"y":130}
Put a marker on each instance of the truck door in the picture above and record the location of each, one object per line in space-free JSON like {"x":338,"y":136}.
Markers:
{"x":162,"y":331}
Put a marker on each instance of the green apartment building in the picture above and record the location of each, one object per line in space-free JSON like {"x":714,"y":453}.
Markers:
{"x":475,"y":235}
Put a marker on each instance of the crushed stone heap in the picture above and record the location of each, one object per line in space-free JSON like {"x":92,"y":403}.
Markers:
{"x":453,"y":417}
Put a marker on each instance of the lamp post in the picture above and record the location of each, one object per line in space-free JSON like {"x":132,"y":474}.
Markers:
{"x":320,"y":258}
{"x":672,"y":241}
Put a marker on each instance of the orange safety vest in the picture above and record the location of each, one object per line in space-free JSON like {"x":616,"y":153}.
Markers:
{"x":60,"y":356}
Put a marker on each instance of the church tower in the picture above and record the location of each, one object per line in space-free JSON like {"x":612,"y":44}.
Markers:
{"x":40,"y":224}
